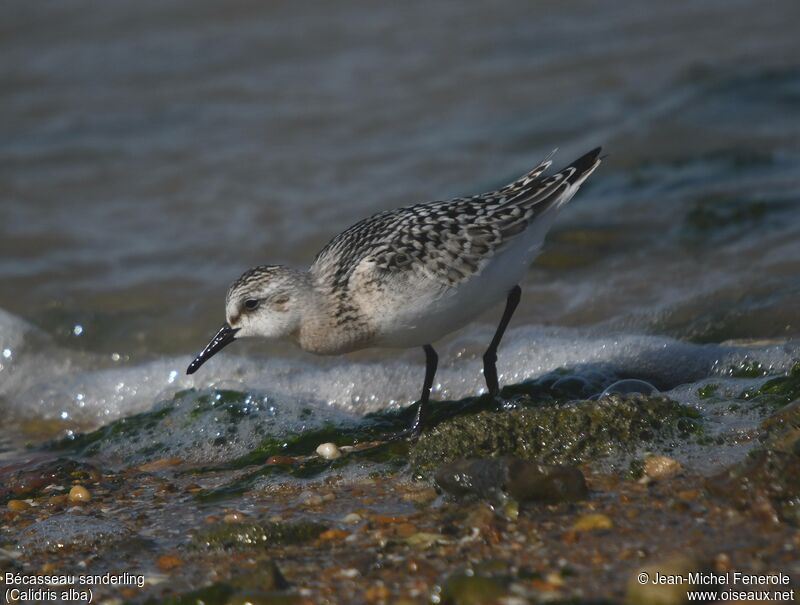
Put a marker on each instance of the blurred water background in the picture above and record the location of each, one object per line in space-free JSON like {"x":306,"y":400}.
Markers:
{"x":151,"y":152}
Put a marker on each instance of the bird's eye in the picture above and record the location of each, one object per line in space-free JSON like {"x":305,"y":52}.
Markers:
{"x":251,"y":304}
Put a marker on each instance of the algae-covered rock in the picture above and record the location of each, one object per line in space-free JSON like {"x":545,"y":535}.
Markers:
{"x":520,"y":479}
{"x":265,"y":586}
{"x":570,"y":433}
{"x":225,"y":535}
{"x":778,"y":391}
{"x":770,"y":476}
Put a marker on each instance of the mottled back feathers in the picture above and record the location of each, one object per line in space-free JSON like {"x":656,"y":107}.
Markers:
{"x":446,"y":241}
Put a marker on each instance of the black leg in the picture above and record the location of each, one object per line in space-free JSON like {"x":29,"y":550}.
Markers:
{"x":431,"y":361}
{"x":490,"y":357}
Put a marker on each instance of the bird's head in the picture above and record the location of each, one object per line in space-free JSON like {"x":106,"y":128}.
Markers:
{"x":264,"y":301}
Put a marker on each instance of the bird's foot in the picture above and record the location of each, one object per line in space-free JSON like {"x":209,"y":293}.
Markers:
{"x":412,"y":433}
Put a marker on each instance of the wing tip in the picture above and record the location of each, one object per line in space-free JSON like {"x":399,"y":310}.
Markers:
{"x":586,"y":163}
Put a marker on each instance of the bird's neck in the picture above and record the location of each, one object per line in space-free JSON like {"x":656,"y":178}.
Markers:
{"x":324,"y":329}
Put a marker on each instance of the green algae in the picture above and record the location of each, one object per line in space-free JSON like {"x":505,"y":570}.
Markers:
{"x":90,"y":444}
{"x":256,"y":535}
{"x":748,"y":369}
{"x":707,"y":391}
{"x":558,"y":434}
{"x":470,"y":589}
{"x":777,"y":391}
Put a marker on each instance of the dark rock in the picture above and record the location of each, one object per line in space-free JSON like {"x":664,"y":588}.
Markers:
{"x":570,"y":433}
{"x":229,"y":593}
{"x":224,"y":535}
{"x":769,"y":479}
{"x":267,"y":578}
{"x":521,"y":479}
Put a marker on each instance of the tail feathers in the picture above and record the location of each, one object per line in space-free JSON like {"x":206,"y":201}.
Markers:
{"x":546,"y":193}
{"x":543,"y":192}
{"x":584,"y":166}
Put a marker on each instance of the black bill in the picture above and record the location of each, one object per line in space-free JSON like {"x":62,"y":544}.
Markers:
{"x":224,"y":337}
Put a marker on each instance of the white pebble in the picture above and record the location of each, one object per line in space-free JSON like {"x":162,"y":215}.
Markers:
{"x":352,"y":518}
{"x":329,"y":451}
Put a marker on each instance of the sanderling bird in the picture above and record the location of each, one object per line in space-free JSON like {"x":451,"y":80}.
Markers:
{"x":407,"y":277}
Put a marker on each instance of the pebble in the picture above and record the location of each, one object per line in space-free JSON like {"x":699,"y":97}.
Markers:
{"x":352,"y":518}
{"x":311,"y":499}
{"x":424,"y":539}
{"x":329,"y":451}
{"x":593,"y":522}
{"x":421,"y":496}
{"x":349,"y":573}
{"x":78,"y":493}
{"x":523,"y":480}
{"x":333,"y":535}
{"x":405,"y":530}
{"x":661,"y":467}
{"x":168,"y":562}
{"x":17,"y":505}
{"x":379,"y":592}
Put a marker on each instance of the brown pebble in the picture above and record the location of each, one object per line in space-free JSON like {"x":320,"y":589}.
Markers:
{"x":404,"y":530}
{"x":280,"y":460}
{"x":17,"y":505}
{"x":333,"y":535}
{"x":422,"y":496}
{"x":722,"y":563}
{"x":689,"y":494}
{"x":379,"y":592}
{"x":59,"y":500}
{"x":168,"y":562}
{"x":78,"y":493}
{"x":661,"y":467}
